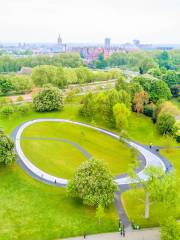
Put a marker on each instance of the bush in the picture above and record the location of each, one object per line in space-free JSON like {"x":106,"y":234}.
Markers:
{"x":7,"y":155}
{"x":149,"y":110}
{"x":24,"y":108}
{"x":48,"y":99}
{"x":165,"y":123}
{"x":7,"y":110}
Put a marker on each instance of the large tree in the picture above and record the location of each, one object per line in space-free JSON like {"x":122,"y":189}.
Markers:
{"x":121,"y":114}
{"x":7,"y":155}
{"x":48,"y":99}
{"x":140,"y":100}
{"x":93,"y":183}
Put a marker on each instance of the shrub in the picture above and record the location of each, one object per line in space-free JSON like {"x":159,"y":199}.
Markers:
{"x":7,"y":110}
{"x":24,"y":108}
{"x":149,"y":110}
{"x":48,"y":99}
{"x":7,"y":155}
{"x":165,"y":123}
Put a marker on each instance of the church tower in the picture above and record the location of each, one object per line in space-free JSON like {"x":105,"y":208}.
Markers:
{"x":59,"y":40}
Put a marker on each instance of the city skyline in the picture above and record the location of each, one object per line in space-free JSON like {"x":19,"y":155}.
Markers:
{"x":91,"y":21}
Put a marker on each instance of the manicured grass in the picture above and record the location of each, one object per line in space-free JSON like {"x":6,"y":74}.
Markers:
{"x":32,"y":210}
{"x":142,"y":129}
{"x":133,"y":201}
{"x":50,"y":155}
{"x":57,"y":158}
{"x":135,"y":207}
{"x":173,"y":155}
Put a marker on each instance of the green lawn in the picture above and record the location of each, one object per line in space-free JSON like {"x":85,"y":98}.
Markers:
{"x":32,"y":210}
{"x":133,"y":201}
{"x":157,"y":213}
{"x":173,"y":155}
{"x":63,"y":159}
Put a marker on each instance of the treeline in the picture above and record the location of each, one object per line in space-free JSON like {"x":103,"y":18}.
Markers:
{"x":12,"y":64}
{"x":141,"y":61}
{"x":57,"y":76}
{"x":144,"y":94}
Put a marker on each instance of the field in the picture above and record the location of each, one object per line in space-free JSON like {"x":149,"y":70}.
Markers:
{"x":62,"y":159}
{"x":27,"y":203}
{"x":136,"y":198}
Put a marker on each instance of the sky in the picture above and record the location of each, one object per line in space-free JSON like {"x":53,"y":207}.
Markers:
{"x":90,"y":21}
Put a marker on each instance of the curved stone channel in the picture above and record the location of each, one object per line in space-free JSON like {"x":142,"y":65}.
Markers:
{"x":150,"y":158}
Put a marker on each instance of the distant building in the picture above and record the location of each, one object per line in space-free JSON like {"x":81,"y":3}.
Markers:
{"x":107,"y":43}
{"x":59,"y":40}
{"x":136,"y":43}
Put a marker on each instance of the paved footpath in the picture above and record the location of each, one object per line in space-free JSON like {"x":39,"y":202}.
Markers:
{"x":148,"y":234}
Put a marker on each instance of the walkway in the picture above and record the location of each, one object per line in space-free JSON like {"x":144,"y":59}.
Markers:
{"x":150,"y":157}
{"x":148,"y":234}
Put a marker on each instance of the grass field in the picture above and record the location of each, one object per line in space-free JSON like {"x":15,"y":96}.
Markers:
{"x":32,"y":210}
{"x":157,"y":213}
{"x":133,"y":201}
{"x":62,"y":159}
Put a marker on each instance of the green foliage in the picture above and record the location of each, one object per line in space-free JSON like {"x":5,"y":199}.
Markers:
{"x":7,"y":155}
{"x":100,"y":63}
{"x":7,"y":110}
{"x":121,"y":83}
{"x":170,"y":229}
{"x":21,"y":84}
{"x":165,"y":123}
{"x":146,"y":64}
{"x":88,"y":108}
{"x":171,"y":78}
{"x":163,"y":59}
{"x":93,"y":183}
{"x":48,"y":99}
{"x":5,"y":85}
{"x":156,"y":88}
{"x":49,"y":74}
{"x":121,"y":114}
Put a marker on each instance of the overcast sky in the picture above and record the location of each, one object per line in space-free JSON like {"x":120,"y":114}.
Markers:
{"x":155,"y":21}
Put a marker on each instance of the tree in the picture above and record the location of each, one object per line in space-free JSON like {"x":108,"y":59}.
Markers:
{"x":21,"y":84}
{"x":140,"y":99}
{"x":88,"y":108}
{"x":170,"y":229}
{"x":146,"y":64}
{"x":100,"y":63}
{"x":48,"y":99}
{"x":164,"y":60}
{"x":7,"y":155}
{"x":156,"y":88}
{"x":159,"y":187}
{"x":121,"y":83}
{"x":171,"y":78}
{"x":121,"y":114}
{"x":165,"y":123}
{"x":93,"y":183}
{"x":5,"y":86}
